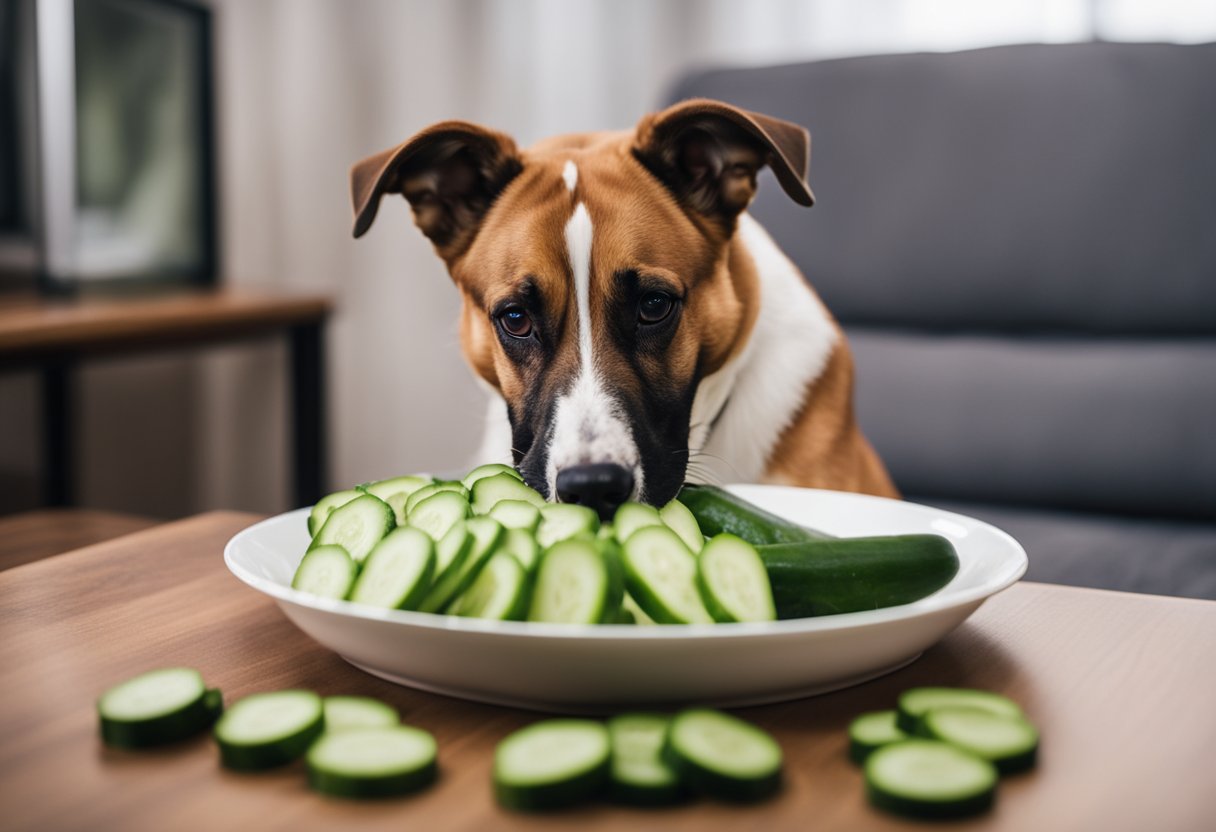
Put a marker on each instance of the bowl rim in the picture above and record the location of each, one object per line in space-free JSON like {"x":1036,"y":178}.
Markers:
{"x":1012,"y":569}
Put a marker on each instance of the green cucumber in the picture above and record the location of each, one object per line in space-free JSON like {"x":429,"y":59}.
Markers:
{"x":265,"y":730}
{"x":636,"y":613}
{"x":1010,"y":743}
{"x":826,"y":577}
{"x":721,"y":755}
{"x":398,"y":572}
{"x":661,"y":575}
{"x":718,"y":511}
{"x":489,"y":491}
{"x":490,"y":470}
{"x":633,"y":516}
{"x":430,"y":490}
{"x":326,"y":571}
{"x":552,"y":764}
{"x":438,"y":513}
{"x":373,"y":762}
{"x":574,"y":585}
{"x":914,"y":703}
{"x":870,"y":732}
{"x":516,"y":514}
{"x":929,"y":779}
{"x":451,"y":551}
{"x":321,"y":511}
{"x":157,"y":708}
{"x":640,"y":776}
{"x":562,"y":521}
{"x":733,"y":581}
{"x":522,"y":546}
{"x":500,"y":591}
{"x":396,"y":491}
{"x":487,"y":534}
{"x":357,"y":526}
{"x":676,"y":516}
{"x":345,"y":713}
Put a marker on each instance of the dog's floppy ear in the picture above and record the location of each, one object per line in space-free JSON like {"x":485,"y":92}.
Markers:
{"x":708,"y":153}
{"x":450,"y":173}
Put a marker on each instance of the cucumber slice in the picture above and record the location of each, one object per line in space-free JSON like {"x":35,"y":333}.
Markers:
{"x":516,"y":514}
{"x":490,"y":470}
{"x":1009,"y":743}
{"x":633,"y":516}
{"x":661,"y":575}
{"x":487,"y":492}
{"x":522,"y":546}
{"x":929,"y":779}
{"x":327,"y":571}
{"x":373,"y":762}
{"x":552,"y":764}
{"x":870,"y":732}
{"x":357,"y":526}
{"x":630,"y":606}
{"x":915,"y":702}
{"x":676,"y":516}
{"x":733,"y":581}
{"x":321,"y":511}
{"x":573,"y":585}
{"x":639,"y":775}
{"x":438,"y":513}
{"x":451,"y":550}
{"x":345,"y":713}
{"x":398,"y":572}
{"x":723,"y":756}
{"x":500,"y":591}
{"x":430,"y":490}
{"x":265,"y":730}
{"x":487,"y":535}
{"x":396,"y":491}
{"x":156,"y":708}
{"x":562,"y":521}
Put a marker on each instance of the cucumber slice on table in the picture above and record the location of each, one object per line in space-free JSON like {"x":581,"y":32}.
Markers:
{"x":914,"y":703}
{"x":552,"y":764}
{"x":522,"y":546}
{"x":562,"y":521}
{"x":1009,"y":743}
{"x":327,"y":571}
{"x":265,"y":730}
{"x":487,"y":534}
{"x":723,"y":756}
{"x":396,"y":491}
{"x":344,"y":713}
{"x":633,"y":516}
{"x":733,"y":582}
{"x":438,"y":513}
{"x":321,"y":511}
{"x":156,"y":708}
{"x":487,"y":492}
{"x":870,"y":732}
{"x":929,"y":779}
{"x":500,"y":591}
{"x":574,"y":585}
{"x":640,"y":776}
{"x":516,"y":514}
{"x":717,"y":511}
{"x":676,"y":516}
{"x":490,"y":470}
{"x":397,"y":573}
{"x":431,"y":490}
{"x":373,"y":762}
{"x":357,"y":526}
{"x":661,"y":575}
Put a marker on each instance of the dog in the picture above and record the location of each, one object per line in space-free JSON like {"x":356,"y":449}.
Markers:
{"x":640,"y":326}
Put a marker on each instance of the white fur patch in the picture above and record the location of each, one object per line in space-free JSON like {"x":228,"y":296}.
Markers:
{"x":570,"y":175}
{"x":755,"y":396}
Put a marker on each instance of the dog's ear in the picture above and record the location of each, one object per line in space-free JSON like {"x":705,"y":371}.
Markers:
{"x":708,"y":153}
{"x":450,"y":174}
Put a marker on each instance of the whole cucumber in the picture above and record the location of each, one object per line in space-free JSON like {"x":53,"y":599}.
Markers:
{"x":826,"y":577}
{"x":718,"y":511}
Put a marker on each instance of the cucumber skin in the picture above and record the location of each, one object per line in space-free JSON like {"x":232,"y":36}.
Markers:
{"x":717,"y":510}
{"x":913,"y":808}
{"x":259,"y":757}
{"x":335,"y":784}
{"x":183,"y":724}
{"x":710,"y":783}
{"x":827,"y":577}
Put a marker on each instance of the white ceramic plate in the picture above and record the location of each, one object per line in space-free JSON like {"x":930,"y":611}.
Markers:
{"x":571,"y":668}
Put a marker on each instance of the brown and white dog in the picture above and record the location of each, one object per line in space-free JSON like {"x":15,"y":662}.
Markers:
{"x":641,"y":327}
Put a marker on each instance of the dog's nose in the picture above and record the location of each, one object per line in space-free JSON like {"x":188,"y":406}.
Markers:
{"x":602,"y":486}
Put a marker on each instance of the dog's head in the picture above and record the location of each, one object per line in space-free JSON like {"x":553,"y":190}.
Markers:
{"x":597,"y":278}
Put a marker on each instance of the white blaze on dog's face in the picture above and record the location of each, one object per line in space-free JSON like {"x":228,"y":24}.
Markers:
{"x":598,"y":279}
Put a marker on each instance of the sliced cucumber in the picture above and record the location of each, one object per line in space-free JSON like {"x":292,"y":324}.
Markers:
{"x":431,"y":490}
{"x":500,"y":591}
{"x":487,"y":492}
{"x":438,"y":513}
{"x":396,"y":491}
{"x":639,"y":616}
{"x":733,"y":581}
{"x":451,"y":550}
{"x":640,"y":776}
{"x":487,"y":535}
{"x":562,"y":521}
{"x":676,"y":516}
{"x":327,"y":571}
{"x":552,"y":764}
{"x":373,"y":762}
{"x":156,"y":708}
{"x":397,"y":573}
{"x":915,"y":702}
{"x":357,"y":526}
{"x":1009,"y":743}
{"x":490,"y":470}
{"x":870,"y":732}
{"x":929,"y":779}
{"x":522,"y":546}
{"x":516,"y":514}
{"x":321,"y":511}
{"x":265,"y":730}
{"x":344,"y":713}
{"x":661,"y":575}
{"x":573,"y":585}
{"x":633,"y":516}
{"x":723,"y":756}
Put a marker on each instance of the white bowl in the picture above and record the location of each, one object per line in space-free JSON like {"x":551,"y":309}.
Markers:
{"x":558,"y":667}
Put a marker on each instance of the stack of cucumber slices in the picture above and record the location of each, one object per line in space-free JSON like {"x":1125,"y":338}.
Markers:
{"x":940,"y":753}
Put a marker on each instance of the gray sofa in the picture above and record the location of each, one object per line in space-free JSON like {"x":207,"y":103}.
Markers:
{"x":1021,"y":244}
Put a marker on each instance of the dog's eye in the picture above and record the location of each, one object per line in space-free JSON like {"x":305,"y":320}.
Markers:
{"x":516,"y":322}
{"x":655,"y":307}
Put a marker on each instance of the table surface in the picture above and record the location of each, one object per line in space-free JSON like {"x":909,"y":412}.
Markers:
{"x":34,"y":535}
{"x":1122,"y":687}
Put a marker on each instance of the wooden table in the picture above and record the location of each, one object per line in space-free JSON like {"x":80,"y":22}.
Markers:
{"x":35,"y":535}
{"x":1122,"y":686}
{"x":55,"y":335}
